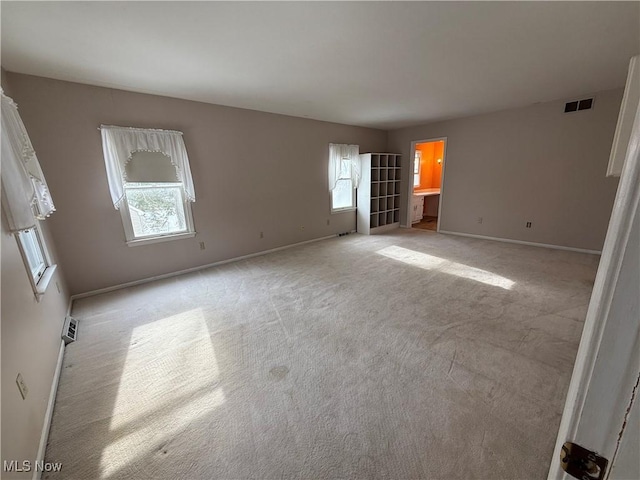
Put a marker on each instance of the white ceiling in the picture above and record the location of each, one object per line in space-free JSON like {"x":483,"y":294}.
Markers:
{"x":379,"y":64}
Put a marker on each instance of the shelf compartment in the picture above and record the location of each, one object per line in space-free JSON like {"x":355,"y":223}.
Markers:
{"x":382,"y":219}
{"x":382,"y":204}
{"x":396,"y":216}
{"x":384,"y":160}
{"x":375,"y":160}
{"x":374,"y":220}
{"x":382,"y":189}
{"x":383,"y":174}
{"x":375,"y":174}
{"x":391,"y":174}
{"x":389,"y":217}
{"x":375,"y":190}
{"x":390,"y":188}
{"x":374,"y":205}
{"x":392,"y":161}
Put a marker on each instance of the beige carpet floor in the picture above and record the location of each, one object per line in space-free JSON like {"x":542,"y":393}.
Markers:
{"x":403,"y":356}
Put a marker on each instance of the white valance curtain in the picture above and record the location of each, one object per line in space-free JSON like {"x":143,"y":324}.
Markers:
{"x":120,"y":143}
{"x":344,"y":163}
{"x":25,"y":194}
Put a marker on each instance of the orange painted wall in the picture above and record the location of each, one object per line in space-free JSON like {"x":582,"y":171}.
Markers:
{"x":430,"y":169}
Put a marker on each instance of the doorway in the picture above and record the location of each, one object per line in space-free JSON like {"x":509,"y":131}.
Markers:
{"x":427,"y":164}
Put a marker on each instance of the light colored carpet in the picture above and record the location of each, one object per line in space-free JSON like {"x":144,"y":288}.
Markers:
{"x":409,"y":355}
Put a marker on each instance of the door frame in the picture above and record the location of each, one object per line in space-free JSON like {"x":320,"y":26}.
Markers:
{"x":409,"y":190}
{"x":626,"y":207}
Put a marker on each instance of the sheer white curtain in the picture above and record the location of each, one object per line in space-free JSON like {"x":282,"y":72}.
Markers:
{"x":120,"y":143}
{"x":344,"y":163}
{"x":25,"y":194}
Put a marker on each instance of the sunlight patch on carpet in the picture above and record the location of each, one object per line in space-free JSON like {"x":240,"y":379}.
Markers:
{"x":169,"y":379}
{"x":430,"y":262}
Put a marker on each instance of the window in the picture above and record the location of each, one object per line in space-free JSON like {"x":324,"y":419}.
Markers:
{"x":33,"y":253}
{"x":344,"y":174}
{"x":343,"y":196}
{"x":150,"y":183}
{"x":36,"y":259}
{"x":156,"y":209}
{"x":26,"y":198}
{"x":416,"y":168}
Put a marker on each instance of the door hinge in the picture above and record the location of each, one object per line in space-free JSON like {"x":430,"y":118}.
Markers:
{"x":581,"y":463}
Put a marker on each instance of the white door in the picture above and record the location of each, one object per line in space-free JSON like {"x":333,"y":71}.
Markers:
{"x":601,"y":410}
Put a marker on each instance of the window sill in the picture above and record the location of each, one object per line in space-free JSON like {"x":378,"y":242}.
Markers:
{"x":343,"y":210}
{"x":43,"y":284}
{"x":163,"y":238}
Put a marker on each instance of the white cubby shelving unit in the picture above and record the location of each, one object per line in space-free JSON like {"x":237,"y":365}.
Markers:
{"x":379,"y":193}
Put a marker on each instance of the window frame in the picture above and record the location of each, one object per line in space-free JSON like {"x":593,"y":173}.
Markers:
{"x":39,"y":281}
{"x":132,"y":240}
{"x":350,"y":208}
{"x":417,"y":166}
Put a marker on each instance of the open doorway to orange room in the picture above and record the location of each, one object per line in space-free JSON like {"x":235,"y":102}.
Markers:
{"x":428,"y":169}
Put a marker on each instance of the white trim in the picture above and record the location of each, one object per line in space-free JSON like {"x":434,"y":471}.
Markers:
{"x":522,"y":242}
{"x":343,"y":210}
{"x":195,"y":269}
{"x":49,"y":413}
{"x":132,"y":241}
{"x":409,"y":192}
{"x":39,"y":287}
{"x":45,"y":279}
{"x":626,"y":116}
{"x":161,"y":238}
{"x":353,"y":206}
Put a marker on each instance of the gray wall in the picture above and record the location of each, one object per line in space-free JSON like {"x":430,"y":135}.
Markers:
{"x":30,"y":345}
{"x":530,"y":164}
{"x":252,"y":171}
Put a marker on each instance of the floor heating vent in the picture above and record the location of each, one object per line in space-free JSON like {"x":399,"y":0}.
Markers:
{"x":70,"y":330}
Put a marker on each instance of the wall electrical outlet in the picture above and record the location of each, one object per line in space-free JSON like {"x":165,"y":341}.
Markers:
{"x":22,"y":386}
{"x":201,"y":245}
{"x":302,"y":227}
{"x":261,"y":234}
{"x":328,"y":222}
{"x":528,"y":225}
{"x":479,"y":219}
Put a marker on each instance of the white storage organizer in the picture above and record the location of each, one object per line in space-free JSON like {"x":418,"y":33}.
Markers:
{"x":379,"y":193}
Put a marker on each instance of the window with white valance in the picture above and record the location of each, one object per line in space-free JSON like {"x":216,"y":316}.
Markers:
{"x":25,"y":196}
{"x":344,"y":176}
{"x":150,"y":182}
{"x":25,"y":191}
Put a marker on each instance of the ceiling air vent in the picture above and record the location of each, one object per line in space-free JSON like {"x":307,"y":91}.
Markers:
{"x":585,"y":104}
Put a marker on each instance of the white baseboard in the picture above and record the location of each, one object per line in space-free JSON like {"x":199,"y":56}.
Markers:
{"x":522,"y":242}
{"x":195,"y":269}
{"x":49,"y":413}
